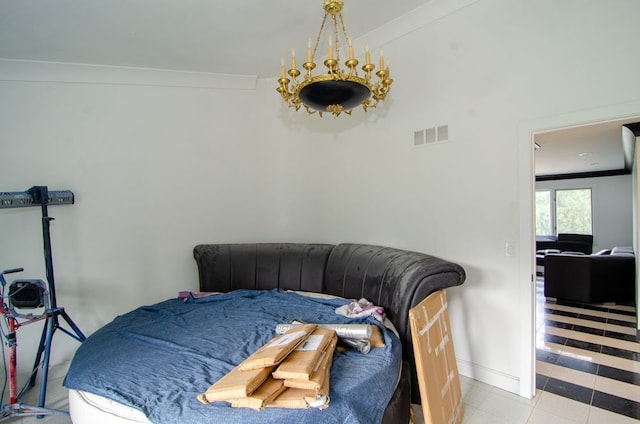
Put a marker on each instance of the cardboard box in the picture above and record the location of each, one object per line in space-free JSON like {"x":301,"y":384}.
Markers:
{"x":305,"y":359}
{"x":435,"y":358}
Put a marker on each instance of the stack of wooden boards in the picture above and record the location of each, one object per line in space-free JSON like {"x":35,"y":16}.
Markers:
{"x":290,"y":371}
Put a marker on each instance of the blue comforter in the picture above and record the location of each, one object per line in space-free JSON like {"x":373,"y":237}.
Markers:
{"x":158,"y":358}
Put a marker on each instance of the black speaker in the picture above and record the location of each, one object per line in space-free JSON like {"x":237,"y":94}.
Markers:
{"x":27,"y":294}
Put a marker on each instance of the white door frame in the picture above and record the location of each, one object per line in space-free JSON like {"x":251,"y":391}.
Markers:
{"x":526,"y":184}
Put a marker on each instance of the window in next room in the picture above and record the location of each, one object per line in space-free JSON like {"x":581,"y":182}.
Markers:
{"x":563,"y":211}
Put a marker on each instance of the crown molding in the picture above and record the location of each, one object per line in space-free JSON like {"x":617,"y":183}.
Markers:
{"x":413,"y":21}
{"x":40,"y":71}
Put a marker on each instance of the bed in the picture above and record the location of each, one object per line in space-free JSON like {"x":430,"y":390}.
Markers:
{"x":150,"y":364}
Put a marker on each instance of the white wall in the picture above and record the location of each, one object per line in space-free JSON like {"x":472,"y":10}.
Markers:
{"x":612,"y":207}
{"x":495,"y":71}
{"x":158,"y":168}
{"x":158,"y":162}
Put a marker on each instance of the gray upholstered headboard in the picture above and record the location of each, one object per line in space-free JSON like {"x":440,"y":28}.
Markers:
{"x":262,"y":266}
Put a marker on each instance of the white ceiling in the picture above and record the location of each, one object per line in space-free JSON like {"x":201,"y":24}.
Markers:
{"x":589,"y":148}
{"x":240,"y":37}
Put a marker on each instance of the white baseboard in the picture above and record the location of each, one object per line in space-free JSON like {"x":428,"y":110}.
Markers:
{"x":489,"y":376}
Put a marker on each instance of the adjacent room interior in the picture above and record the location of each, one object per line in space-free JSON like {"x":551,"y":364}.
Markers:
{"x":585,"y":291}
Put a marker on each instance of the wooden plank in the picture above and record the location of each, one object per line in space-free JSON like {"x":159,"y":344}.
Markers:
{"x":436,"y":367}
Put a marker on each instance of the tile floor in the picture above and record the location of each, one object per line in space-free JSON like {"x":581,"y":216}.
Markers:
{"x":589,"y":353}
{"x":483,"y":404}
{"x":56,"y":398}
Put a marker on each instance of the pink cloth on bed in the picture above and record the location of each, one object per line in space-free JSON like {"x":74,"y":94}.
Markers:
{"x":361,"y":308}
{"x":196,"y":295}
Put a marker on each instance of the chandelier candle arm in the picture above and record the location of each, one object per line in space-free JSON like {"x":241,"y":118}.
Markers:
{"x":337,"y":90}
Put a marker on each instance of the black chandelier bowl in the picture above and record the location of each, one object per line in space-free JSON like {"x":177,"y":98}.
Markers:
{"x":320,"y":95}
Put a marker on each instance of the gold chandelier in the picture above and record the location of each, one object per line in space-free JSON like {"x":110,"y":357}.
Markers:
{"x":338,"y":90}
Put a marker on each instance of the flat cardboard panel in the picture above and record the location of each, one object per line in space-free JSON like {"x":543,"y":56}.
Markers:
{"x":320,"y":375}
{"x":302,"y":399}
{"x":236,"y":384}
{"x":254,"y":370}
{"x":304,"y":360}
{"x":435,"y":358}
{"x":264,"y":394}
{"x":278,"y":348}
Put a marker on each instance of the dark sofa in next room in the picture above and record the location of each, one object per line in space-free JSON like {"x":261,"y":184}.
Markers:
{"x":607,"y":276}
{"x":566,"y":242}
{"x":563,"y":242}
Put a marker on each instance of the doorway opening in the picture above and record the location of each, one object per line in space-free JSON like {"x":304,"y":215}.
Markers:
{"x":543,"y":360}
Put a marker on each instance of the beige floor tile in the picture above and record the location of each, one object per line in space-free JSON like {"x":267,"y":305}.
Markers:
{"x":615,"y":362}
{"x":544,"y":368}
{"x":482,"y":417}
{"x":582,"y":311}
{"x":575,"y":321}
{"x":594,"y":313}
{"x":475,"y":394}
{"x":618,"y":388}
{"x":56,"y":398}
{"x":513,"y":408}
{"x":601,"y":416}
{"x":550,"y":347}
{"x":592,"y":324}
{"x":540,"y":416}
{"x":573,"y":376}
{"x":562,"y":407}
{"x":625,"y":308}
{"x":592,"y":338}
{"x":600,"y":358}
{"x":623,"y":344}
{"x":631,"y":331}
{"x":622,"y":317}
{"x":468,"y":413}
{"x":582,"y":354}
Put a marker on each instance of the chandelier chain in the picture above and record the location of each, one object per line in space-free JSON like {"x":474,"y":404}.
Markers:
{"x":335,"y":34}
{"x":324,"y":20}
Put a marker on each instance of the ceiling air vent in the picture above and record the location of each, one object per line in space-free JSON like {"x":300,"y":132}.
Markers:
{"x":431,"y":135}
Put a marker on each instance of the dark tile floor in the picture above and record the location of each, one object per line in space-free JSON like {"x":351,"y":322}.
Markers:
{"x":589,"y":353}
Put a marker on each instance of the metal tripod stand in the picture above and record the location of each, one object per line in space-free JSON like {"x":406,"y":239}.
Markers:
{"x":51,"y":314}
